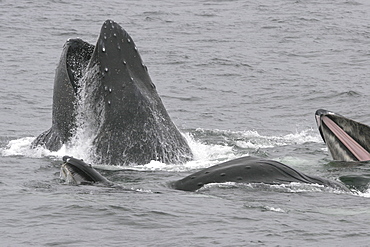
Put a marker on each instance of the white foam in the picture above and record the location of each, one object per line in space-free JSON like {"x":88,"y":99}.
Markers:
{"x":293,"y":187}
{"x":153,"y":166}
{"x":364,"y":194}
{"x":251,"y":139}
{"x":255,"y":140}
{"x":251,"y":145}
{"x":303,"y":137}
{"x":273,"y":209}
{"x":205,"y":154}
{"x":17,"y":147}
{"x":22,"y":147}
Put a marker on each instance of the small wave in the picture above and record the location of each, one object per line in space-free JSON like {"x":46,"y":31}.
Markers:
{"x":318,"y":96}
{"x":350,"y":93}
{"x":252,"y":139}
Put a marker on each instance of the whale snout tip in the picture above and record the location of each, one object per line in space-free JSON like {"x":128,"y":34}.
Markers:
{"x":110,"y":25}
{"x":321,"y":112}
{"x":66,"y":158}
{"x":109,"y":21}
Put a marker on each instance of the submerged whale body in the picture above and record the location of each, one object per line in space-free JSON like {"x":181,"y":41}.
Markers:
{"x":346,"y":139}
{"x":250,"y":170}
{"x":106,"y":91}
{"x":242,"y":170}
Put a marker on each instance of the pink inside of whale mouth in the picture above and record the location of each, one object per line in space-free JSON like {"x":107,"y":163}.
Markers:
{"x":356,"y":149}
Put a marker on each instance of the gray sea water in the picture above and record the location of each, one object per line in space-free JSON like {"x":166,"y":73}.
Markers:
{"x":237,"y":77}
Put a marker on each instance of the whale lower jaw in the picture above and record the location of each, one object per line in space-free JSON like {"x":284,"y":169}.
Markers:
{"x":347,"y":140}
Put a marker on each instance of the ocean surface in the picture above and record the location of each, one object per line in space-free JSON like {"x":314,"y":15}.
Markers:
{"x":237,"y":78}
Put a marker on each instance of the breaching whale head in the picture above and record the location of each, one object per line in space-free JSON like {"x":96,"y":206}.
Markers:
{"x":106,"y":91}
{"x":347,"y":140}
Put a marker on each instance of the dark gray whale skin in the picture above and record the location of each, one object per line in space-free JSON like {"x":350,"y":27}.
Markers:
{"x":123,"y":109}
{"x":342,"y":149}
{"x":242,"y":170}
{"x":250,"y":170}
{"x":74,"y":59}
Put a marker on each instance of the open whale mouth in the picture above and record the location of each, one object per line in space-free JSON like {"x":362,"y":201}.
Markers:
{"x":105,"y":101}
{"x":346,"y":139}
{"x":78,"y":55}
{"x":76,"y":172}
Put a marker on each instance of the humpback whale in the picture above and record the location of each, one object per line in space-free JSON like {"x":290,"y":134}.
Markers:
{"x":251,"y":170}
{"x":242,"y":170}
{"x":346,"y":139}
{"x":75,"y":171}
{"x":106,"y":91}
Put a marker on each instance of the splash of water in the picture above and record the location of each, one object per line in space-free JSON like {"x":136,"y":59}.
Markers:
{"x":90,"y":115}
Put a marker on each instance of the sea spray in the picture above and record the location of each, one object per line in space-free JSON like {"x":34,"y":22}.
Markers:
{"x":90,"y":115}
